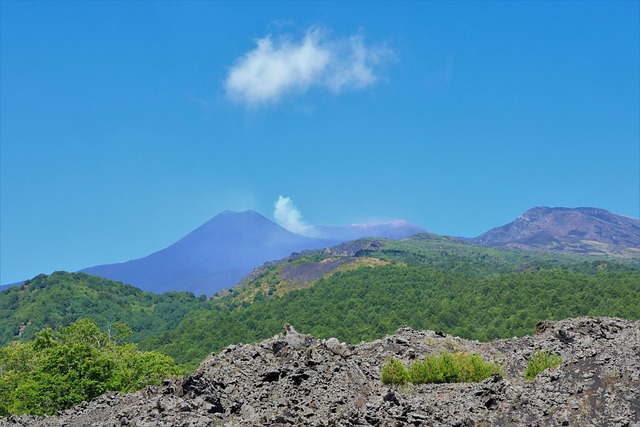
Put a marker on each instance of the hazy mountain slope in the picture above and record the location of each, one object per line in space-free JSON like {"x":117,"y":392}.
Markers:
{"x":398,"y":229}
{"x":579,"y":230}
{"x":225,"y":249}
{"x":218,"y":254}
{"x":213,"y":257}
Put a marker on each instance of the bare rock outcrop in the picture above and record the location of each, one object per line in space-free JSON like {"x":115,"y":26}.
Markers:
{"x":296,"y":379}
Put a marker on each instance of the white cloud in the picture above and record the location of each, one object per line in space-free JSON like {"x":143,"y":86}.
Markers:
{"x":288,"y":215}
{"x":278,"y":67}
{"x":354,"y":69}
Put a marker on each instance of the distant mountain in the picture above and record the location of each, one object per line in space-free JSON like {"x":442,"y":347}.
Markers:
{"x":218,"y":254}
{"x":214,"y":256}
{"x":579,"y":230}
{"x":398,"y":229}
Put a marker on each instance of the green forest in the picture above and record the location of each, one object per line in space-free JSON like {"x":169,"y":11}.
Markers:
{"x":369,"y":303}
{"x":57,"y":300}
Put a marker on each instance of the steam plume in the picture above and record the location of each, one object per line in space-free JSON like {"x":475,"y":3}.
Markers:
{"x":288,"y":216}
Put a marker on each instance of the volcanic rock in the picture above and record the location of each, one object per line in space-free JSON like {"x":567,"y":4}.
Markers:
{"x":296,"y":379}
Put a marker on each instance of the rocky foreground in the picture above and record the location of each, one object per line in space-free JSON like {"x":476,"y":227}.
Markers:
{"x":295,"y":379}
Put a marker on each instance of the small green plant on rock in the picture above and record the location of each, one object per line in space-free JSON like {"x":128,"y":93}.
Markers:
{"x":394,"y":372}
{"x":445,"y":368}
{"x":473,"y":368}
{"x":426,"y":371}
{"x":541,"y":360}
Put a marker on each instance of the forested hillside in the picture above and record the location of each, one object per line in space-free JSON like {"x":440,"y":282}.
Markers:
{"x":368,"y":288}
{"x":57,"y":300}
{"x":422,"y":250}
{"x":368,"y":303}
{"x":359,"y":290}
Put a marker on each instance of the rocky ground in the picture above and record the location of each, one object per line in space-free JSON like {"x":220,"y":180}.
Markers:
{"x":295,"y":379}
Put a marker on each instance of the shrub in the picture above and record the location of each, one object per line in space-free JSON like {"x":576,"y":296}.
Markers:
{"x":394,"y":372}
{"x":449,"y":367}
{"x":445,"y":368}
{"x":426,"y":371}
{"x":473,"y":368}
{"x":52,"y":373}
{"x":541,"y":360}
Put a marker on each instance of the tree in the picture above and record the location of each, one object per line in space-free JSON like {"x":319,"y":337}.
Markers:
{"x":51,"y":373}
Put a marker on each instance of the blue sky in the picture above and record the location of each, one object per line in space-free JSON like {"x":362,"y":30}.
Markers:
{"x":125,"y":125}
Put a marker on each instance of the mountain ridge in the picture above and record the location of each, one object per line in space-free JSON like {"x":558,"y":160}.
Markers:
{"x":583,"y":230}
{"x":219,"y":253}
{"x":214,"y":256}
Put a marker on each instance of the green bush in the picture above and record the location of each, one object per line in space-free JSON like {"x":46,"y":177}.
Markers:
{"x":473,"y":368}
{"x":541,"y":360}
{"x":52,"y":372}
{"x":394,"y":372}
{"x":445,"y":368}
{"x":426,"y":371}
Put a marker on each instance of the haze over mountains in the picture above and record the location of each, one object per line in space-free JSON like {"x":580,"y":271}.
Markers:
{"x":218,"y":254}
{"x":212,"y":257}
{"x":397,"y":229}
